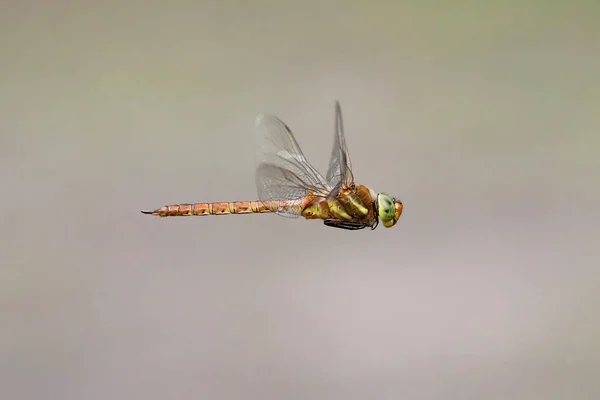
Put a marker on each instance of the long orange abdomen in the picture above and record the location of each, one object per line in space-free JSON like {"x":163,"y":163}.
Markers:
{"x":220,"y":208}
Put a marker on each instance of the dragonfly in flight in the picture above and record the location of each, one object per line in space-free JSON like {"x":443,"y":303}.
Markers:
{"x":288,"y":185}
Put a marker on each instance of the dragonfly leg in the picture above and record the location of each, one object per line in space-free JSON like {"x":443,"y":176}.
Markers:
{"x":351,"y":226}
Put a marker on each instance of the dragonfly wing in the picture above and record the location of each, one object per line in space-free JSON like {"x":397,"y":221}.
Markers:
{"x":339,"y":172}
{"x":282,"y":171}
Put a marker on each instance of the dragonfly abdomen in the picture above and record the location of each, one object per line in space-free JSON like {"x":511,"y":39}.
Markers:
{"x":221,"y":208}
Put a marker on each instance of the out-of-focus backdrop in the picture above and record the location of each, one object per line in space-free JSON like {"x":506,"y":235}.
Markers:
{"x":481,"y":116}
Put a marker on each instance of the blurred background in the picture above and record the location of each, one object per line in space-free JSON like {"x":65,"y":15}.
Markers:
{"x":482,"y":117}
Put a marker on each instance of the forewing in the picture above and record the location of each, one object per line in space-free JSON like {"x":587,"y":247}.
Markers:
{"x":282,"y":170}
{"x":339,"y":172}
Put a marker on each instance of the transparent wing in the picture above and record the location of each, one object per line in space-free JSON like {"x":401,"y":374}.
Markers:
{"x":282,"y":171}
{"x":339,"y":172}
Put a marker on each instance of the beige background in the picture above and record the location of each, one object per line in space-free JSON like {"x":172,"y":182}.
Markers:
{"x":481,"y":116}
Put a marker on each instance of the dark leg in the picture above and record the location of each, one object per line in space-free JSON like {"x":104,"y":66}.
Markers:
{"x":351,"y":226}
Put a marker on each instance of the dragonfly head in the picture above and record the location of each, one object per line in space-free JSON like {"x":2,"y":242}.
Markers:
{"x":388,"y":209}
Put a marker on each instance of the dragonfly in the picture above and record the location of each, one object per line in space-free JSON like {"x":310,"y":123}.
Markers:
{"x":290,"y":186}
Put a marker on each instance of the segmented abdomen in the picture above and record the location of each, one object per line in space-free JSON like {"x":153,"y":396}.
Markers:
{"x":225,"y":208}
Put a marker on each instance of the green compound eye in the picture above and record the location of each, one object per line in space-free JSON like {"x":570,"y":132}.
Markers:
{"x":388,"y":209}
